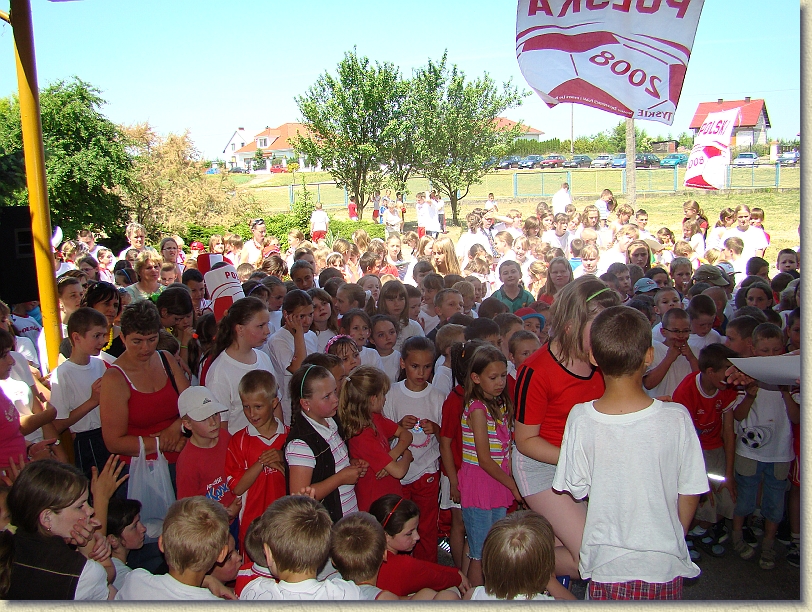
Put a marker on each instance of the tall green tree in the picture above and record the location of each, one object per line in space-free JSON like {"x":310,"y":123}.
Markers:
{"x":456,"y":131}
{"x":349,"y":120}
{"x":86,"y":158}
{"x":259,"y":159}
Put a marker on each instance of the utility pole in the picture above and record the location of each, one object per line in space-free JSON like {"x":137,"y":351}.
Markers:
{"x":572,"y":128}
{"x":631,"y":166}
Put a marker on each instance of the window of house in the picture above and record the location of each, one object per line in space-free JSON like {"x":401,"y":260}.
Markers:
{"x":233,"y":147}
{"x":262,"y":142}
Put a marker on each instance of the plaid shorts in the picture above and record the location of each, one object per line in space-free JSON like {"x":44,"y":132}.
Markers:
{"x":636,"y":589}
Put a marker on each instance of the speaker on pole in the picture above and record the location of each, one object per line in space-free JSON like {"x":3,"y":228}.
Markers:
{"x":18,"y":272}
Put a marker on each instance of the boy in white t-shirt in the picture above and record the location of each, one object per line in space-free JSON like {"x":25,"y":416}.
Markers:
{"x":764,"y":450}
{"x":318,"y":224}
{"x":193,"y":539}
{"x":626,"y":432}
{"x":702,"y":312}
{"x":664,"y":300}
{"x":75,"y":387}
{"x":673,"y":359}
{"x":296,"y":533}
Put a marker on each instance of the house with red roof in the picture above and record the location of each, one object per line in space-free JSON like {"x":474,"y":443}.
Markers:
{"x":274,"y":143}
{"x":752,"y":125}
{"x":528,"y":133}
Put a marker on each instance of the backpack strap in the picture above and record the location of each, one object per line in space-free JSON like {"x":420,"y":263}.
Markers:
{"x":169,"y":372}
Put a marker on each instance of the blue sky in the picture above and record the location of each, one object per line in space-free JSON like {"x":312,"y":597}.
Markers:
{"x":213,"y":66}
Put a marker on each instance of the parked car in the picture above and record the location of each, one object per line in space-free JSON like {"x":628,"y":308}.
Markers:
{"x":674,"y":159}
{"x":790,"y":158}
{"x":746,"y":159}
{"x":601,"y":161}
{"x":278,"y":168}
{"x":213,"y":171}
{"x":553,"y":161}
{"x":530,"y":162}
{"x":578,"y":161}
{"x":646,"y":160}
{"x":510,"y":162}
{"x":619,"y":160}
{"x":237,"y":170}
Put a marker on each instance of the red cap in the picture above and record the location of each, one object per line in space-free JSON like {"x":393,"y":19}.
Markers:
{"x":197,"y":246}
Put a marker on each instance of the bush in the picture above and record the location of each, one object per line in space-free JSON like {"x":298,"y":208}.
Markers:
{"x":344,"y":229}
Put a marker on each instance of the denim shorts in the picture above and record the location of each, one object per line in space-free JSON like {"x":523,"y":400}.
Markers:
{"x":772,"y":493}
{"x":477,"y":525}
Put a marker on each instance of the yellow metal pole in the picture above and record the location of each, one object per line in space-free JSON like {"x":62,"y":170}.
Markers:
{"x":20,"y":14}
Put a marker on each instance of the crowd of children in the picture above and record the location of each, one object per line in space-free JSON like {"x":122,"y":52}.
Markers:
{"x":356,"y":406}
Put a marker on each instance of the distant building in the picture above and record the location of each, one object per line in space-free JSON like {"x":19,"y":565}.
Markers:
{"x":274,"y":142}
{"x":664,"y":146}
{"x":528,"y":133}
{"x":752,"y":127}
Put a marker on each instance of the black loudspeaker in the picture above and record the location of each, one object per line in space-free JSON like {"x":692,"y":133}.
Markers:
{"x":18,"y":271}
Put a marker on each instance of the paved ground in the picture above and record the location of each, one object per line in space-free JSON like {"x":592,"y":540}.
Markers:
{"x":729,"y":578}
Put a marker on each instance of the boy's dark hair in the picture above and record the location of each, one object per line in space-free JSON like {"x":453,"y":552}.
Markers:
{"x":744,"y":325}
{"x":701,"y":305}
{"x":441,"y":295}
{"x":635,"y":273}
{"x":780,"y":281}
{"x":449,"y":280}
{"x":609,"y":278}
{"x":755,"y":265}
{"x":422,"y":266}
{"x":191,"y":274}
{"x":258,"y":275}
{"x":674,"y":313}
{"x":697,"y":289}
{"x":412,"y":291}
{"x":652,"y":272}
{"x":167,"y":342}
{"x":461,"y":319}
{"x":490,"y":307}
{"x":120,"y":514}
{"x":773,"y":317}
{"x":253,"y":543}
{"x":83,"y":320}
{"x":357,"y":546}
{"x":643,"y":306}
{"x":481,"y":328}
{"x":327,"y":274}
{"x":750,"y":311}
{"x":793,"y":316}
{"x":620,"y":339}
{"x":176,"y":300}
{"x":332,"y":285}
{"x":520,"y":336}
{"x":433,"y":282}
{"x":617,"y":268}
{"x":297,"y":531}
{"x":368,"y":261}
{"x":767,"y":331}
{"x":716,"y":357}
{"x":506,"y":320}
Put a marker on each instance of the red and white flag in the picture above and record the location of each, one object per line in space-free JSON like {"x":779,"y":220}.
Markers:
{"x":710,"y":155}
{"x":627,"y":57}
{"x":224,"y":288}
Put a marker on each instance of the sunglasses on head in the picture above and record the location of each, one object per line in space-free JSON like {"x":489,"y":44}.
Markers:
{"x":256,"y":222}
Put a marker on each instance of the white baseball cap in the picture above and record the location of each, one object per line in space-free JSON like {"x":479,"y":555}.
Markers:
{"x":199,"y":404}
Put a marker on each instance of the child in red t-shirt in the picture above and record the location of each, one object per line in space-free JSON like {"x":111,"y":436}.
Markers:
{"x":255,"y":465}
{"x":368,"y":433}
{"x":710,"y":401}
{"x":401,"y":573}
{"x":201,"y":463}
{"x":254,"y":562}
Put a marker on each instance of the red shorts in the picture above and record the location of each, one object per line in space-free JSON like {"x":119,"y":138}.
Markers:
{"x":636,"y":590}
{"x":318,"y":235}
{"x":421,"y":231}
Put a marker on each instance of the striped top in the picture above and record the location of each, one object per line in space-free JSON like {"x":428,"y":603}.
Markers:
{"x":498,"y":436}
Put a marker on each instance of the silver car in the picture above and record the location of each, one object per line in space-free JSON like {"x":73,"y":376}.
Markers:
{"x":601,"y":161}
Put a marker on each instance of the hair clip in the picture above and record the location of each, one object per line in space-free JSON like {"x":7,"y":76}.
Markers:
{"x":597,"y":293}
{"x":301,"y":387}
{"x":333,"y":340}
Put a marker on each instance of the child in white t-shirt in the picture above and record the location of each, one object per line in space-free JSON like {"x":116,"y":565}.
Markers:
{"x":674,"y":359}
{"x":318,"y":224}
{"x":626,"y":432}
{"x":446,"y":336}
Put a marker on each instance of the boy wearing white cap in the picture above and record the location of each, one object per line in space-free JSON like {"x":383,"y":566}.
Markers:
{"x":201,"y":464}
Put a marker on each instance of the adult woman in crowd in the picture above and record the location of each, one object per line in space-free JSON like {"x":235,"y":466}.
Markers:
{"x":136,"y":236}
{"x":49,"y":507}
{"x":549,"y":384}
{"x":104,"y":297}
{"x":139,"y":392}
{"x":148,"y":267}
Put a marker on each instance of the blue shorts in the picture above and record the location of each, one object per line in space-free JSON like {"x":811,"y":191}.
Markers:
{"x":772,"y":493}
{"x":477,"y":525}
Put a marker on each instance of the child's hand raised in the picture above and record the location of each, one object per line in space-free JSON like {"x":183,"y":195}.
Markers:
{"x":103,"y":484}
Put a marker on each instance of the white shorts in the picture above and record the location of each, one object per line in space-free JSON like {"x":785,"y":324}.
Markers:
{"x":445,"y":494}
{"x":531,"y":476}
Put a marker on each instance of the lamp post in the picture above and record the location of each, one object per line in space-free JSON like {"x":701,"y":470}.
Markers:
{"x":19,"y":17}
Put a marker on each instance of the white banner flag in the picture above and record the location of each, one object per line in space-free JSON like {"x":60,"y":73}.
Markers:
{"x":627,"y":57}
{"x":710,"y":156}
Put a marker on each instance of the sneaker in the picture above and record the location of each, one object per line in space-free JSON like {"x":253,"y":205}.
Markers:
{"x":756,"y":524}
{"x":794,"y":554}
{"x":749,"y":537}
{"x":445,"y":545}
{"x":697,"y":532}
{"x":720,"y":532}
{"x":767,"y":560}
{"x":743,"y":549}
{"x":695,"y":556}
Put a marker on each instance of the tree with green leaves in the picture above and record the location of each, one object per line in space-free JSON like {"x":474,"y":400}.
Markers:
{"x":86,"y":158}
{"x":349,"y":119}
{"x":456,"y":130}
{"x":259,"y":159}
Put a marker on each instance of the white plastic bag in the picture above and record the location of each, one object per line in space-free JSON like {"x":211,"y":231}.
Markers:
{"x":150,"y":484}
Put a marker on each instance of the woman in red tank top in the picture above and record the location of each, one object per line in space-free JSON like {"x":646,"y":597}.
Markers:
{"x":139,"y":393}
